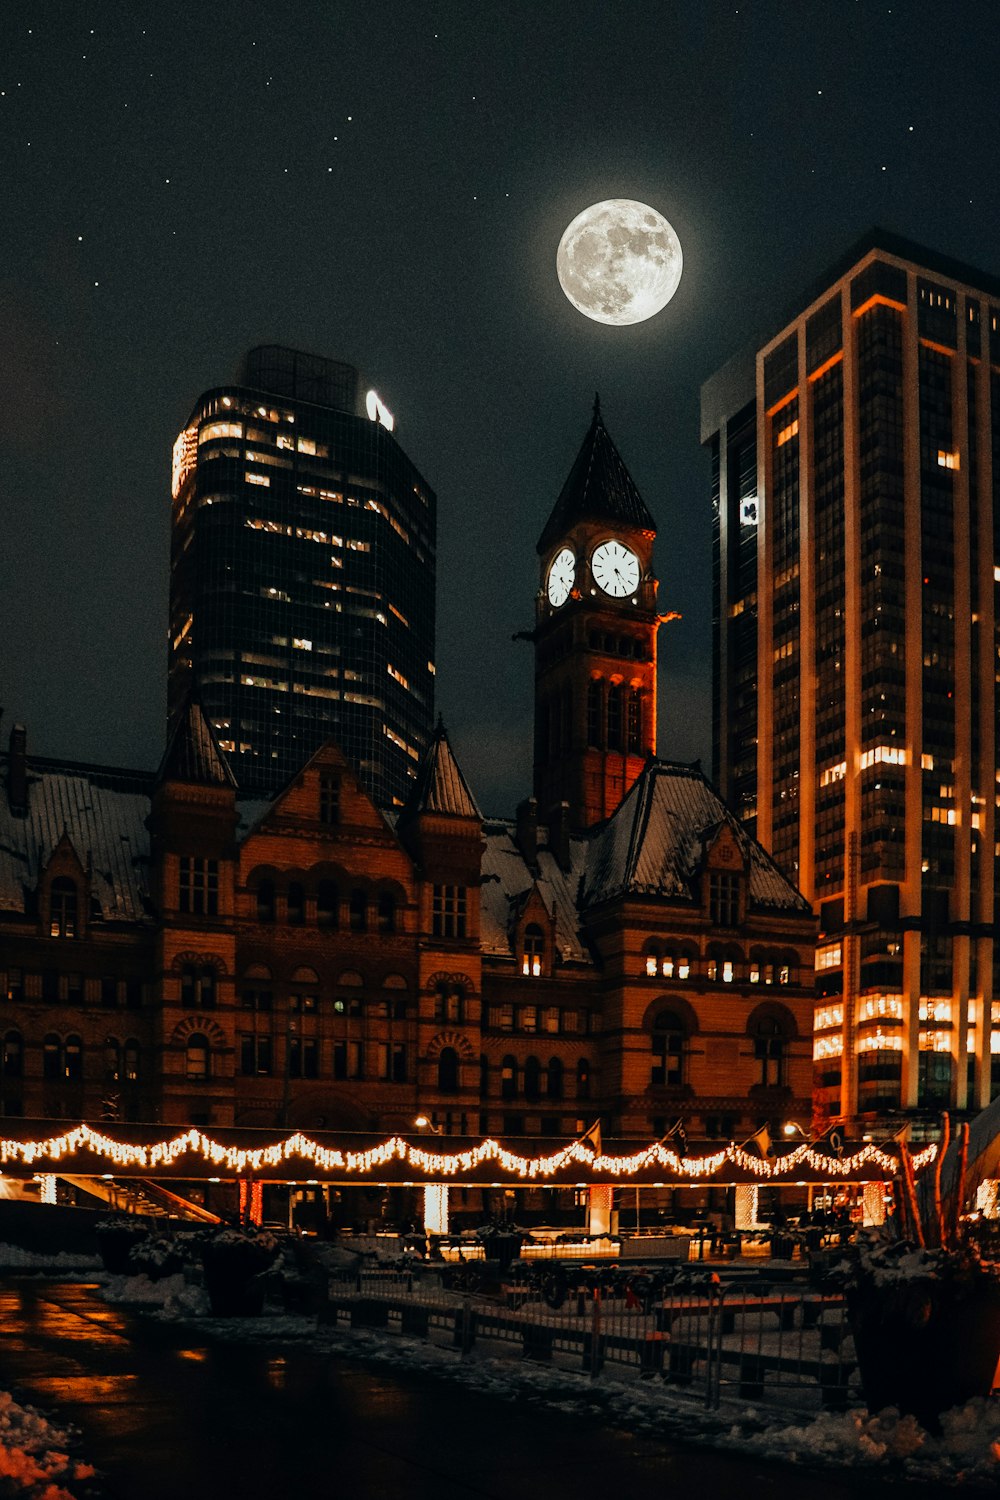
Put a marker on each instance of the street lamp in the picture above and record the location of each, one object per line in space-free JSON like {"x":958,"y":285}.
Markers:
{"x":424,"y":1122}
{"x":791,"y":1126}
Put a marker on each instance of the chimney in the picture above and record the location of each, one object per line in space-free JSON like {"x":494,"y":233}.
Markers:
{"x":17,"y":771}
{"x":559,"y":834}
{"x":526,"y":831}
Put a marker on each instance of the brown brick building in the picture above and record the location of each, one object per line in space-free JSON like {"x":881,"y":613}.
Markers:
{"x":170,"y":951}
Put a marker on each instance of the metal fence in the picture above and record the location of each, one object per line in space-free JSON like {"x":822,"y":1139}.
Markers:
{"x":749,"y":1338}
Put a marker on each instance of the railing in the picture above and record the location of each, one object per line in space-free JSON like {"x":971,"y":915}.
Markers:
{"x":751,"y":1339}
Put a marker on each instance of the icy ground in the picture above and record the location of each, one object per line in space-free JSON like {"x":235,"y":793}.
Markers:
{"x":967,"y":1452}
{"x":13,"y":1258}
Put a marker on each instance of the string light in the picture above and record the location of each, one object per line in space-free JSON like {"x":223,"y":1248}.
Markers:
{"x":239,"y":1161}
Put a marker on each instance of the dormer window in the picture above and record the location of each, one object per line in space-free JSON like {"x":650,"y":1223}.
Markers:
{"x":63,"y":908}
{"x":724,"y":898}
{"x":534,"y":946}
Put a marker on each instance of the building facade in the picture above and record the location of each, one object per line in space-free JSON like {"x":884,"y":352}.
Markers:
{"x":856,"y":504}
{"x":302,"y":576}
{"x":175,"y":951}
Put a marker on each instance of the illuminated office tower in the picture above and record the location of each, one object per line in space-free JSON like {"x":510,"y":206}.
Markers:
{"x":302,"y":576}
{"x":856,"y":494}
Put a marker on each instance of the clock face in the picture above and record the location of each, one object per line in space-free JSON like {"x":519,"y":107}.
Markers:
{"x":615,"y":568}
{"x":562,"y":576}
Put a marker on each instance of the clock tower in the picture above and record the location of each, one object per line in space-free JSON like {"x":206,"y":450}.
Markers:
{"x":595,"y":638}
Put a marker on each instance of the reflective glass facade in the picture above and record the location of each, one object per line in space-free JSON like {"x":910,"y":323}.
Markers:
{"x":302,"y":590}
{"x":872,"y":710}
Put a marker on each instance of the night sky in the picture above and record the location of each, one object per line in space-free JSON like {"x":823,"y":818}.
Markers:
{"x":387,"y":184}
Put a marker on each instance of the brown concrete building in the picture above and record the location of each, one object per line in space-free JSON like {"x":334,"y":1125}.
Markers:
{"x":172,"y":951}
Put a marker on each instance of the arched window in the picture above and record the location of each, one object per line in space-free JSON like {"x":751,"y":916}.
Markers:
{"x":327,"y":904}
{"x":112,"y":1061}
{"x":73,"y":1060}
{"x":534,"y":946}
{"x":13,"y":1055}
{"x":265,"y":901}
{"x":448,"y":1070}
{"x":615,"y":717}
{"x":62,"y":908}
{"x":52,"y":1057}
{"x":770,"y":1048}
{"x":583,"y":1079}
{"x":554,"y":1079}
{"x":295,"y":903}
{"x":508,"y":1077}
{"x":634,"y":734}
{"x":595,"y":712}
{"x":131,"y":1061}
{"x":197,"y":1056}
{"x":449,"y":1004}
{"x":359,"y":910}
{"x":667,"y":1046}
{"x":532,"y":1078}
{"x":386,"y":911}
{"x":197,"y":987}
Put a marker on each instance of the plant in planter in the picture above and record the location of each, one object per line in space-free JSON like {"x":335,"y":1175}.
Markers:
{"x":923,"y":1305}
{"x":116,"y":1238}
{"x":233,"y":1263}
{"x":157,"y":1256}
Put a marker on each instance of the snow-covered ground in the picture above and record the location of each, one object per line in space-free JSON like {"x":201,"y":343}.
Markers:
{"x":13,"y":1258}
{"x":967,"y":1453}
{"x":34,"y":1462}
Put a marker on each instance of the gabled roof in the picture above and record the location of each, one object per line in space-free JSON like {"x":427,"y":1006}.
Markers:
{"x":507,"y":880}
{"x":656,"y":841}
{"x":599,"y":488}
{"x":440,"y":786}
{"x":102,"y":812}
{"x":193,"y":753}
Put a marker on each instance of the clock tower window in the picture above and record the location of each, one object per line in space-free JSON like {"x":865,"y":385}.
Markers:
{"x":615,"y":717}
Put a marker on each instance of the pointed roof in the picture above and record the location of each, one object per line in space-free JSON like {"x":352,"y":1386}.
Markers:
{"x":440,"y":786}
{"x":656,"y":842}
{"x":193,"y":753}
{"x":599,"y":488}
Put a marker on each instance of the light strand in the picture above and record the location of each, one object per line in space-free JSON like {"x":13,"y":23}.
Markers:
{"x":239,"y":1160}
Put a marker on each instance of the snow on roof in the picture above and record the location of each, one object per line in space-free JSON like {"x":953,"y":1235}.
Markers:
{"x":506,"y":879}
{"x":655,"y":843}
{"x":103,"y":812}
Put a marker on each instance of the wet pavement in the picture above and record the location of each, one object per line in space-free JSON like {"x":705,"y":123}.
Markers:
{"x":168,"y":1415}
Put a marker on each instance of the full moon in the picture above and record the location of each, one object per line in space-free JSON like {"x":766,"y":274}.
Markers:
{"x":619,"y":261}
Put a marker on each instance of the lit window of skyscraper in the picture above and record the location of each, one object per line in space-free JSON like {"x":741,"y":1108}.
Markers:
{"x":302,"y":576}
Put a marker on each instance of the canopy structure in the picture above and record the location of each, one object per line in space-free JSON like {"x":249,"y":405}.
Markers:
{"x":46,"y":1147}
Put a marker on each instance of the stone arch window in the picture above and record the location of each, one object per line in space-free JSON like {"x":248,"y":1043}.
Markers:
{"x":358,"y":909}
{"x":303,"y":996}
{"x":616,"y":717}
{"x":534,"y":951}
{"x":327,"y":904}
{"x":532,"y":1078}
{"x":396,"y":997}
{"x":12,"y":1062}
{"x":386,"y":911}
{"x":583,"y":1079}
{"x":197,"y":1057}
{"x":448,"y":1070}
{"x":198,"y":987}
{"x":112,"y":1060}
{"x":449,"y":1002}
{"x":770,"y":1050}
{"x":295,"y":903}
{"x":668,"y":1039}
{"x":131,"y":1060}
{"x":347,"y":1000}
{"x":265,"y":901}
{"x":63,"y":904}
{"x":72,"y":1067}
{"x":554,"y":1078}
{"x":595,"y":712}
{"x":723,"y":963}
{"x":52,"y":1058}
{"x":255,"y":989}
{"x":634,"y":725}
{"x":508,"y":1077}
{"x":667,"y":961}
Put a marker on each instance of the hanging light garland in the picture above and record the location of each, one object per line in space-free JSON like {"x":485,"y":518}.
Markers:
{"x":238,"y":1160}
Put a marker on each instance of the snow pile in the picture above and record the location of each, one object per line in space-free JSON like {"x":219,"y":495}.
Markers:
{"x":34,"y":1463}
{"x":968,"y":1448}
{"x":13,"y":1258}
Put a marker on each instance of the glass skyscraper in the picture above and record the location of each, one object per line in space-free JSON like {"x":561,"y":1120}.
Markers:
{"x":302,"y":576}
{"x":856,"y":510}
